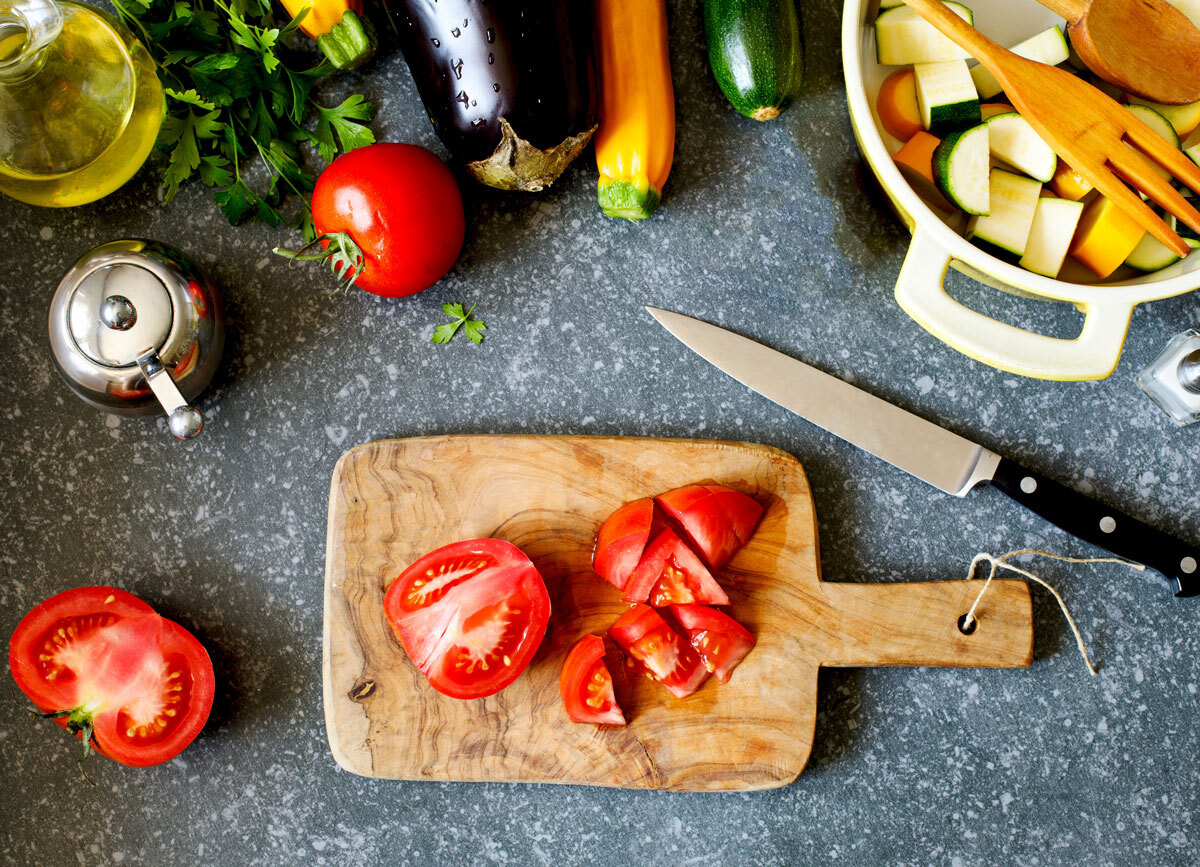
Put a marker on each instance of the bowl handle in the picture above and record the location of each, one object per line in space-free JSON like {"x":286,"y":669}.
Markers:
{"x":921,"y":293}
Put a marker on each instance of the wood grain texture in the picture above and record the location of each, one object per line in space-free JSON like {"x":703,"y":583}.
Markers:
{"x":393,"y":501}
{"x":1145,"y":47}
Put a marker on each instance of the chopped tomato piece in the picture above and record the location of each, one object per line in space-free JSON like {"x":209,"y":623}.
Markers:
{"x":662,"y":652}
{"x":743,"y":512}
{"x":113,"y":672}
{"x":470,"y":615}
{"x":716,"y":519}
{"x":720,"y":640}
{"x":621,"y":540}
{"x":670,"y":572}
{"x":587,"y":686}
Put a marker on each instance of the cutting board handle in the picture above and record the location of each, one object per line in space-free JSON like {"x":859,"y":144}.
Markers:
{"x":918,"y":624}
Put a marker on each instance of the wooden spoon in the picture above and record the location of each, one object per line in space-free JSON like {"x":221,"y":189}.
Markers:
{"x":1145,"y":47}
{"x":1086,"y":128}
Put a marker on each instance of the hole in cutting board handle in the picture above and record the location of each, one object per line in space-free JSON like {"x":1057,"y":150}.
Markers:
{"x":967,"y":628}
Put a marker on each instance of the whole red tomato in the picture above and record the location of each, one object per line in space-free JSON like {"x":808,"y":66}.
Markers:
{"x":401,"y":206}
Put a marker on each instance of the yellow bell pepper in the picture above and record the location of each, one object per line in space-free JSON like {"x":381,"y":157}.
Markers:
{"x":1105,"y":237}
{"x":342,"y":34}
{"x":635,"y":144}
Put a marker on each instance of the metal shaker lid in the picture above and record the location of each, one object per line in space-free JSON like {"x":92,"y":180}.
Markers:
{"x":118,"y":312}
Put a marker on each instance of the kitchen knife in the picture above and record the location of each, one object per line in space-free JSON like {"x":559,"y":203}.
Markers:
{"x":931,"y":453}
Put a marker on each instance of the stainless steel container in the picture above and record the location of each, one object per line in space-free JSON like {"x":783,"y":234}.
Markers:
{"x":136,"y":328}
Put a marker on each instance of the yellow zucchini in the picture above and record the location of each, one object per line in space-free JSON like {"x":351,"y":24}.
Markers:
{"x":635,"y":144}
{"x":1105,"y":237}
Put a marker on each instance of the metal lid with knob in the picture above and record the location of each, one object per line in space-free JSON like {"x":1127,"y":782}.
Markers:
{"x":134,"y":325}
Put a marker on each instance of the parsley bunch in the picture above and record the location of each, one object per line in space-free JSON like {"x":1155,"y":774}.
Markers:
{"x":235,"y":89}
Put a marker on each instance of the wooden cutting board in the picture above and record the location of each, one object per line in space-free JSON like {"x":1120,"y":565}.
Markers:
{"x":393,"y":501}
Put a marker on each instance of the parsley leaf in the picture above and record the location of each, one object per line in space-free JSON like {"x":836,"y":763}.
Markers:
{"x":185,"y":133}
{"x":189,"y":97}
{"x":237,"y":201}
{"x":342,"y":119}
{"x":473,"y":328}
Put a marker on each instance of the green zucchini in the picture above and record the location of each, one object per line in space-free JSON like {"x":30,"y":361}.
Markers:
{"x":961,"y":166}
{"x":902,"y":37}
{"x":1048,"y":47}
{"x":1160,"y":125}
{"x":1014,"y":141}
{"x":946,"y":96}
{"x":1151,"y":254}
{"x":756,"y":51}
{"x":1013,"y":201}
{"x":1050,"y":235}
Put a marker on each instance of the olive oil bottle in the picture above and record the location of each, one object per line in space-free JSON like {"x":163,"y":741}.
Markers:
{"x":80,"y":103}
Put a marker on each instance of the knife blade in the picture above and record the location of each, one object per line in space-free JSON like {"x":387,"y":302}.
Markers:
{"x":934,"y":455}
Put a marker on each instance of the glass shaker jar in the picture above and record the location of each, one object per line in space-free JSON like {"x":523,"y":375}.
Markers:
{"x":80,"y":102}
{"x":1172,"y":379}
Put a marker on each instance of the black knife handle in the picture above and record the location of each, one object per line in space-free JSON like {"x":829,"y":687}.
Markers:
{"x":1094,"y":522}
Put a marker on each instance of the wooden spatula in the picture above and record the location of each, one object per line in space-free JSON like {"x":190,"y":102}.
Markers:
{"x":1145,"y":47}
{"x":1084,"y":127}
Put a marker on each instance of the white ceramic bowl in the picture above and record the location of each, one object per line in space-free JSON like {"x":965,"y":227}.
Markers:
{"x":937,"y":244}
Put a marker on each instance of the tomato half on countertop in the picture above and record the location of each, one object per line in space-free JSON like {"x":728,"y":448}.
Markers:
{"x":403,"y":209}
{"x":663,"y":653}
{"x":586,"y":685}
{"x":470,"y":615}
{"x":720,"y":640}
{"x":717,"y":520}
{"x":130,"y":683}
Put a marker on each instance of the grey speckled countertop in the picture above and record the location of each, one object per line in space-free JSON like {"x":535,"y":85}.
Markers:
{"x":766,"y":229}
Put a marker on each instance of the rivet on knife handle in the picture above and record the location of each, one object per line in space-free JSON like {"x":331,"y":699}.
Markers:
{"x":1102,"y":525}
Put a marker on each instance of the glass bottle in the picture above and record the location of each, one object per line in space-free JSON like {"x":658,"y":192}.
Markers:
{"x":80,"y":102}
{"x":1172,"y":380}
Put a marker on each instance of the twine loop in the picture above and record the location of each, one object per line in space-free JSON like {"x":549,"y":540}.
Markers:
{"x":968,"y":622}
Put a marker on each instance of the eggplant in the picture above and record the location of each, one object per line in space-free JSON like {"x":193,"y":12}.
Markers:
{"x":510,"y":86}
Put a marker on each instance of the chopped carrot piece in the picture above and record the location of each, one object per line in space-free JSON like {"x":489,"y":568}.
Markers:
{"x":897,"y":105}
{"x":915,"y":161}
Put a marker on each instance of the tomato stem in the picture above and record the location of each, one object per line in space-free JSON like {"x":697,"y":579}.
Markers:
{"x":80,"y":723}
{"x":342,"y":253}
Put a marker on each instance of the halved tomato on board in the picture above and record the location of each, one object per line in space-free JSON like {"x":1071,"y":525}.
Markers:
{"x":587,"y":686}
{"x":720,"y":640}
{"x":107,"y":668}
{"x":621,"y":540}
{"x":716,"y":519}
{"x":470,"y":615}
{"x":669,"y":573}
{"x":665,"y":656}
